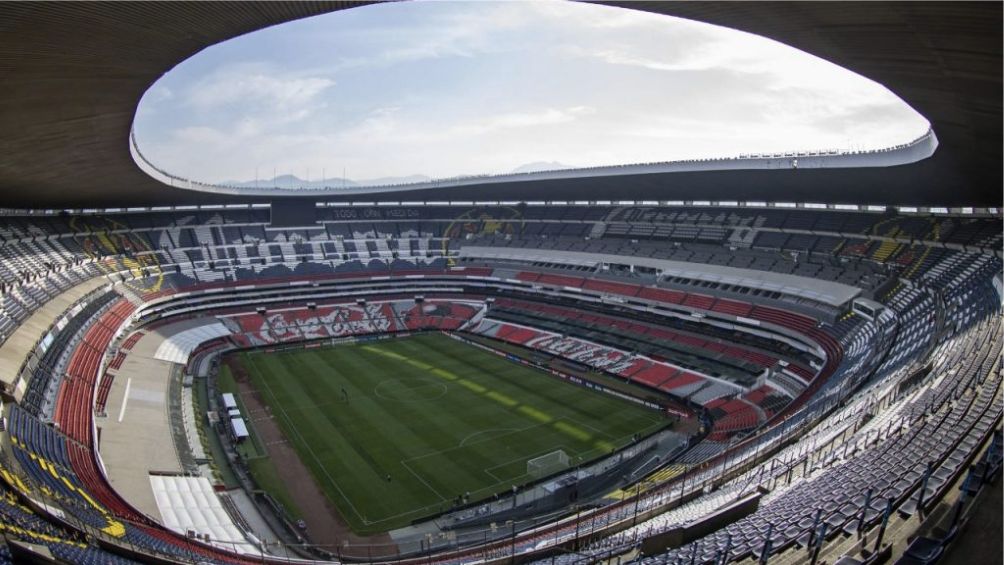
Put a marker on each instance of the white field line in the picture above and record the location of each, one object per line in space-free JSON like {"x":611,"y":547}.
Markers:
{"x":424,"y":482}
{"x":125,"y":399}
{"x":307,"y":445}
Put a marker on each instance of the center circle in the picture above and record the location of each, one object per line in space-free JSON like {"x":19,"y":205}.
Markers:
{"x":410,"y":389}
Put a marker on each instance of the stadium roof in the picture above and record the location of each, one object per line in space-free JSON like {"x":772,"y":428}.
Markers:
{"x":73,"y":75}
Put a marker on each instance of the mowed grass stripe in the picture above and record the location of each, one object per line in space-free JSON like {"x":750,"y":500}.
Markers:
{"x":353,"y":459}
{"x":450,"y":427}
{"x":470,"y":370}
{"x":398,"y":439}
{"x":454,"y":480}
{"x":509,"y":376}
{"x":509,"y":372}
{"x":283,"y":391}
{"x":353,"y":446}
{"x":440,"y":417}
{"x":516,"y":383}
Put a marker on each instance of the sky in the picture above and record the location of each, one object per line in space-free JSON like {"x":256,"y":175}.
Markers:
{"x":454,"y":88}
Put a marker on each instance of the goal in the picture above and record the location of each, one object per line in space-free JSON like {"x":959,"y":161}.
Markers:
{"x":547,"y":464}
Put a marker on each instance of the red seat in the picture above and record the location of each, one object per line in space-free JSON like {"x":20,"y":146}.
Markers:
{"x":612,"y":287}
{"x":661,"y":295}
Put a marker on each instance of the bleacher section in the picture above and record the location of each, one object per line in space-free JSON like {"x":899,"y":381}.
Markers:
{"x":332,"y":321}
{"x":41,"y":254}
{"x":19,"y":521}
{"x":73,"y":406}
{"x":806,"y":405}
{"x":643,"y":369}
{"x":891,"y":469}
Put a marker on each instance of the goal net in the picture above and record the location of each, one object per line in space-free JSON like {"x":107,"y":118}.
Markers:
{"x":547,"y":464}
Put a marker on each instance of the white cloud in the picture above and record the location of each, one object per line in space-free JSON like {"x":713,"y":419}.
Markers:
{"x":707,"y":48}
{"x":618,"y":57}
{"x":544,"y":117}
{"x":161,"y":93}
{"x":466,"y":88}
{"x":244,"y":83}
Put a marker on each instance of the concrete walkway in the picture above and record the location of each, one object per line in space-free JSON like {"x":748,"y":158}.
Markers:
{"x":17,"y":347}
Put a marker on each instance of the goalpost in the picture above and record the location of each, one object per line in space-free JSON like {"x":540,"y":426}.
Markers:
{"x":547,"y":464}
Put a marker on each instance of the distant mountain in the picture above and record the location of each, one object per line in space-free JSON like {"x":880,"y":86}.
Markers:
{"x":295,"y":182}
{"x":288,"y":181}
{"x":539,"y":166}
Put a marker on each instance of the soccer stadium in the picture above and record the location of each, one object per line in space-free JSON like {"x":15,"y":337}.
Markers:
{"x":775,"y":357}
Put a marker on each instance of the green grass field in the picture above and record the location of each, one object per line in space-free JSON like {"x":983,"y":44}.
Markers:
{"x":440,"y":417}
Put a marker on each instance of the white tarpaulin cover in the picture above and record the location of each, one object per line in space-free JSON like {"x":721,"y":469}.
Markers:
{"x":240,"y":428}
{"x":189,"y":503}
{"x":179,"y":346}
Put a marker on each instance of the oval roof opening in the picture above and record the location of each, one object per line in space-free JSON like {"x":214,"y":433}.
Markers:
{"x":401,"y":93}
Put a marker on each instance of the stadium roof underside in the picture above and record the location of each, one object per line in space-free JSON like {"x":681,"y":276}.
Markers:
{"x":73,"y":75}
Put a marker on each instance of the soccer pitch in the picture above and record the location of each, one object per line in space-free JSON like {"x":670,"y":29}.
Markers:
{"x":440,"y":418}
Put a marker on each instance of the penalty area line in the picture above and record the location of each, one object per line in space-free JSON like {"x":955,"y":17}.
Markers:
{"x":424,"y":482}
